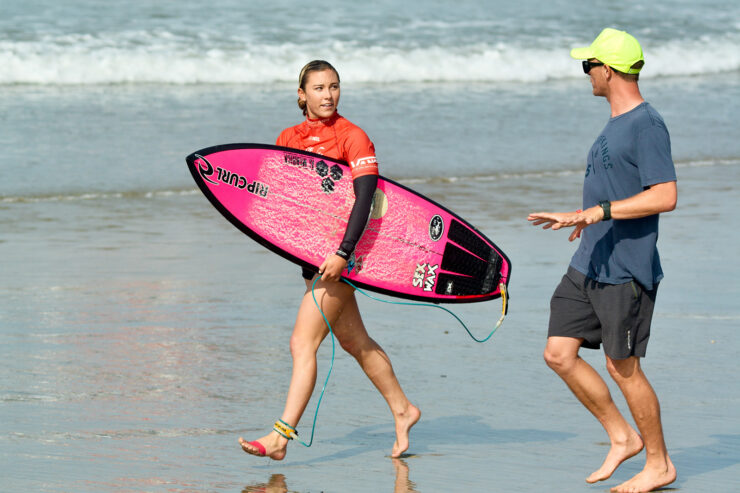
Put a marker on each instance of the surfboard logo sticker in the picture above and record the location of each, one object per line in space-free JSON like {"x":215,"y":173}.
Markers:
{"x":329,"y":175}
{"x":355,"y":264}
{"x":436,"y":227}
{"x":380,"y":204}
{"x":206,"y":172}
{"x":230,"y":178}
{"x":425,"y":276}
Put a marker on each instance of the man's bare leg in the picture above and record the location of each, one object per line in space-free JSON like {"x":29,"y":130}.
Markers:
{"x":645,"y":408}
{"x":561,"y":354}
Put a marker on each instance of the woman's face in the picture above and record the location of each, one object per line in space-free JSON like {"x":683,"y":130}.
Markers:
{"x":321,"y":94}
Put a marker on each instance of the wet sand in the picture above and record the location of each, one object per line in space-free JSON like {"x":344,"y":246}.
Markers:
{"x":137,"y":347}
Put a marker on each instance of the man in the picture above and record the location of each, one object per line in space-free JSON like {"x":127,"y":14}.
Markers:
{"x":607,"y":295}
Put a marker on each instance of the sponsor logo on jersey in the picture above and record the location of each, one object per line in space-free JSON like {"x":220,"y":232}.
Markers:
{"x":363,"y":162}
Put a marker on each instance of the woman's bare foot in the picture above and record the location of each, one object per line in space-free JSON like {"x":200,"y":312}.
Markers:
{"x":619,"y":452}
{"x":649,"y":479}
{"x":273,"y":446}
{"x":404,"y":422}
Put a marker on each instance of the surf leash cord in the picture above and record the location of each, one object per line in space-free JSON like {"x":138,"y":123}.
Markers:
{"x":281,"y":426}
{"x":289,"y":432}
{"x":504,"y":299}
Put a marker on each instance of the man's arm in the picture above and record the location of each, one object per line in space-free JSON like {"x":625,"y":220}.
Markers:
{"x":660,"y":197}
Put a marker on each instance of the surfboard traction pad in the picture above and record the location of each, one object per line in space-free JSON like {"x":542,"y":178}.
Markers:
{"x":474,"y":275}
{"x":471,"y":266}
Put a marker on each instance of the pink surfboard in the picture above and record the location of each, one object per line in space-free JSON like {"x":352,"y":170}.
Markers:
{"x":298,"y":203}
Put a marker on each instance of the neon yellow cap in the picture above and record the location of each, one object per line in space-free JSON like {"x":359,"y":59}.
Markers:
{"x":615,"y":48}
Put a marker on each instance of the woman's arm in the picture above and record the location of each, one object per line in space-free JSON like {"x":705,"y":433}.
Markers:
{"x":334,"y":264}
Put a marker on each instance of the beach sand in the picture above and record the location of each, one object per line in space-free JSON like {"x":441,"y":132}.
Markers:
{"x":143,"y":334}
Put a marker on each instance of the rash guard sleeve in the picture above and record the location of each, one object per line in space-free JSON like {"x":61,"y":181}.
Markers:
{"x":360,"y":153}
{"x":364,"y":187}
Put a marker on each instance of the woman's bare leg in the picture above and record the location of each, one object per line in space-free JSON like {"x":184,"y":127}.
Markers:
{"x":308,"y":333}
{"x":352,"y":335}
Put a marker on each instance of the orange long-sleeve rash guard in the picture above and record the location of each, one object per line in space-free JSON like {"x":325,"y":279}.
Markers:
{"x":334,"y":137}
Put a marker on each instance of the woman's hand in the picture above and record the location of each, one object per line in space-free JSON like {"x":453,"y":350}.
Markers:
{"x":332,"y":268}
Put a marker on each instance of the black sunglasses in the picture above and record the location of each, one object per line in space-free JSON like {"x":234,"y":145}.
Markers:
{"x":587,"y":66}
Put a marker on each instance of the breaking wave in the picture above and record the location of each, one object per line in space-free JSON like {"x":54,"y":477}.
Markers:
{"x":164,"y":57}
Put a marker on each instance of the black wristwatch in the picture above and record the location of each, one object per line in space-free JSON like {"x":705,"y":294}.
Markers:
{"x":606,"y":206}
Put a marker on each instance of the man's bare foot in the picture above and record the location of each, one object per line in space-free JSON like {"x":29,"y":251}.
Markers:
{"x":619,"y":452}
{"x":404,"y":422}
{"x":649,"y":479}
{"x":273,"y":445}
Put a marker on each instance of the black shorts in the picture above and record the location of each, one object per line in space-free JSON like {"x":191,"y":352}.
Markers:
{"x":616,"y":315}
{"x":307,"y":274}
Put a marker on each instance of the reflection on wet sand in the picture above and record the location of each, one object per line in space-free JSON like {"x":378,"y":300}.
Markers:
{"x":403,"y":483}
{"x":277,"y":483}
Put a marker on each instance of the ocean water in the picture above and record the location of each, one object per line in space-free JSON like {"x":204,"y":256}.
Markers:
{"x":141,"y":334}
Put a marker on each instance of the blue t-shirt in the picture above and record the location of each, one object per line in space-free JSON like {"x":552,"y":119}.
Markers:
{"x":632,"y":153}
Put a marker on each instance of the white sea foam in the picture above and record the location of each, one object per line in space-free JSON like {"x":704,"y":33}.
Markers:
{"x":165,"y":57}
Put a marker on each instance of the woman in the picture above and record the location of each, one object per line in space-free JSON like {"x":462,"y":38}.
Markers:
{"x":326,"y":132}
